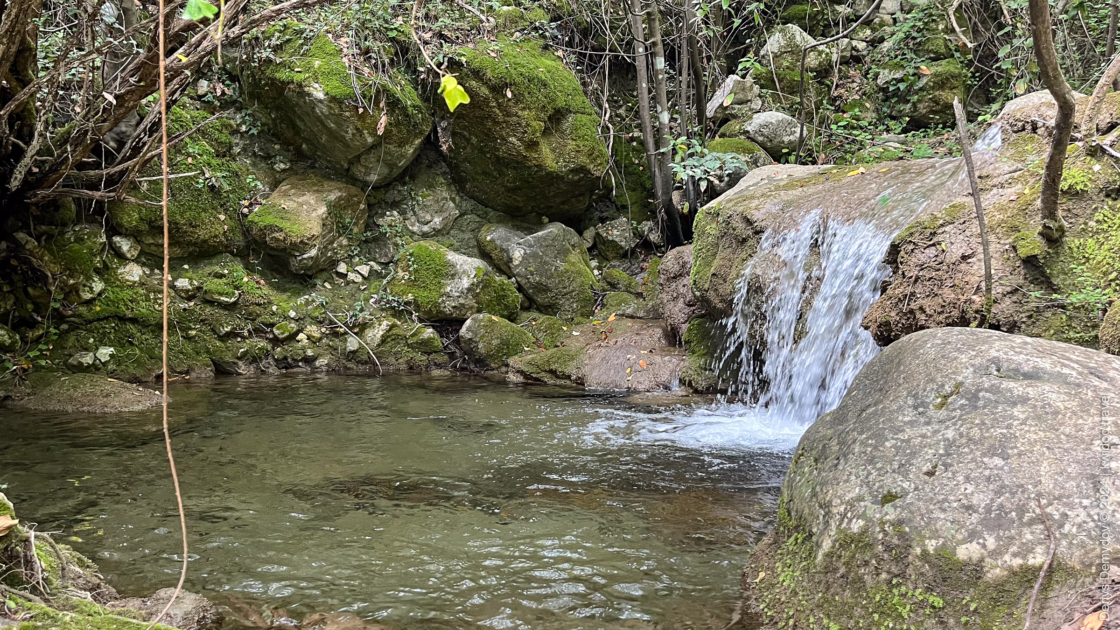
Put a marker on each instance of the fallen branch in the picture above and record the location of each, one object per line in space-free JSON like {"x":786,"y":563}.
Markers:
{"x":351,"y":333}
{"x":956,"y":27}
{"x":966,"y":149}
{"x":1045,"y":565}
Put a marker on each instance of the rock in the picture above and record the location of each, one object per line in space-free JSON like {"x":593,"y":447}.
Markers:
{"x":363,"y":270}
{"x":490,"y":341}
{"x":304,"y":92}
{"x":105,"y":354}
{"x":354,"y":277}
{"x":352,"y":345}
{"x":653,"y":236}
{"x":83,"y":393}
{"x":784,"y":48}
{"x":341,"y":269}
{"x":338,"y":621}
{"x":551,"y":266}
{"x":678,"y":303}
{"x":619,"y":280}
{"x":588,"y":237}
{"x":743,"y":93}
{"x":219,"y":293}
{"x":1030,"y":112}
{"x":933,"y":94}
{"x":89,"y":290}
{"x":189,"y":612}
{"x":496,"y":242}
{"x":925,"y":480}
{"x":1109,"y":336}
{"x":538,"y":151}
{"x":130,"y":273}
{"x":186,"y":288}
{"x":440,"y":284}
{"x":9,"y":339}
{"x":285,"y":330}
{"x":750,"y":152}
{"x":307,"y":221}
{"x":775,"y":132}
{"x":615,"y":239}
{"x":126,"y":246}
{"x":628,"y":305}
{"x":424,"y":203}
{"x":398,"y":345}
{"x":82,"y":361}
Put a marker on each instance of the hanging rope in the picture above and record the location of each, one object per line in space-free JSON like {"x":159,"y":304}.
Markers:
{"x":166,"y":293}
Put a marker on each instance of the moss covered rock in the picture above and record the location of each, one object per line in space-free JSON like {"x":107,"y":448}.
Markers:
{"x":914,"y":502}
{"x":537,"y":151}
{"x":619,"y":280}
{"x":203,"y":207}
{"x":551,"y":266}
{"x":490,"y":340}
{"x":784,"y":46}
{"x":440,"y":284}
{"x":399,"y":345}
{"x":1109,"y":335}
{"x":309,"y":221}
{"x":929,"y":101}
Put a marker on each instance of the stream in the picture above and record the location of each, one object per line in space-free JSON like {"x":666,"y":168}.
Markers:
{"x":412,"y":500}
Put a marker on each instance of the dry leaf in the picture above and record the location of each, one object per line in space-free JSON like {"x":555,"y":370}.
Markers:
{"x":493,"y":318}
{"x":761,"y":574}
{"x":7,"y":523}
{"x":509,"y":94}
{"x":642,"y":363}
{"x":1093,"y":621}
{"x":381,"y":123}
{"x":611,"y":318}
{"x":628,"y":370}
{"x":923,"y":69}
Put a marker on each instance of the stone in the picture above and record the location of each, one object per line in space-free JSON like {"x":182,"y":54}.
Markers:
{"x":304,"y":93}
{"x":285,"y":330}
{"x":619,"y":280}
{"x":363,"y":270}
{"x":186,"y":288}
{"x":490,"y":341}
{"x":341,"y":269}
{"x":925,"y":480}
{"x":615,"y":239}
{"x":82,"y":393}
{"x":629,"y":305}
{"x":496,"y":242}
{"x":130,"y":273}
{"x":352,"y":345}
{"x":308,"y":221}
{"x":188,"y":612}
{"x":775,"y":132}
{"x":90,"y":289}
{"x":424,"y":203}
{"x":441,"y":284}
{"x":354,"y":277}
{"x":742,"y":91}
{"x":105,"y":354}
{"x":653,"y":236}
{"x":9,"y":339}
{"x":552,"y":268}
{"x":1109,"y":335}
{"x":82,"y":361}
{"x":782,"y":51}
{"x":219,"y":294}
{"x":749,"y":152}
{"x":126,"y":246}
{"x":537,"y":152}
{"x":678,"y":304}
{"x":588,"y":237}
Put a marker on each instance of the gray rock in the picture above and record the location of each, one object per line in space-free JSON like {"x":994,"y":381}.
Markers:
{"x":105,"y":354}
{"x":742,"y":91}
{"x":82,"y":361}
{"x":352,"y":344}
{"x":775,"y":132}
{"x":615,"y":239}
{"x":186,"y":288}
{"x":441,"y":284}
{"x":588,"y":237}
{"x":218,"y":296}
{"x":424,"y":203}
{"x":90,"y":289}
{"x":9,"y":340}
{"x":188,"y":612}
{"x":678,"y":303}
{"x":130,"y":273}
{"x":551,"y":267}
{"x":363,"y":270}
{"x":308,"y":221}
{"x":341,"y":269}
{"x":928,"y":473}
{"x":783,"y":50}
{"x":496,"y":242}
{"x":653,"y":236}
{"x":354,"y":277}
{"x":126,"y":246}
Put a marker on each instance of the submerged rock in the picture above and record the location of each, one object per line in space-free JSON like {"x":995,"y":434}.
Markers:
{"x":529,"y":141}
{"x":440,"y":284}
{"x":309,"y":220}
{"x":921,"y":488}
{"x":189,"y":612}
{"x":490,"y":341}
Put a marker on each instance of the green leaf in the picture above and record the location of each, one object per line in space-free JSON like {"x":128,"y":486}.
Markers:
{"x":452,"y":92}
{"x":197,"y":10}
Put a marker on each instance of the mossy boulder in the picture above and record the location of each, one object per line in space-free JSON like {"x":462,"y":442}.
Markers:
{"x":782,"y":51}
{"x":441,"y":284}
{"x":536,"y":150}
{"x":619,"y":280}
{"x":490,"y":340}
{"x":623,"y":304}
{"x":203,"y":208}
{"x":309,"y":221}
{"x":916,"y":501}
{"x":1109,"y":335}
{"x":551,"y":267}
{"x":304,"y":89}
{"x":929,"y":101}
{"x":399,"y":345}
{"x":615,"y":239}
{"x":74,"y":259}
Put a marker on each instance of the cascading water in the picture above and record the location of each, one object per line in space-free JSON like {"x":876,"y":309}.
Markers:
{"x":794,"y":341}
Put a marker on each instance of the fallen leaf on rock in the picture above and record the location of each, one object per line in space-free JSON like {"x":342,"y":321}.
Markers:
{"x":7,"y":523}
{"x":1092,"y":621}
{"x":611,"y":318}
{"x":642,"y":363}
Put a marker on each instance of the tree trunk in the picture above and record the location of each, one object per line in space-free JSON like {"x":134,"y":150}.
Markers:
{"x":641,"y":64}
{"x":1052,"y":226}
{"x":1093,"y":109}
{"x":700,"y":97}
{"x":1113,"y":17}
{"x":664,"y":135}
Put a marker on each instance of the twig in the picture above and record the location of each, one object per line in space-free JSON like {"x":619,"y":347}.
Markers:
{"x":28,"y":596}
{"x":416,"y":38}
{"x":966,"y":149}
{"x":956,"y":27}
{"x":371,"y":354}
{"x":1045,"y":565}
{"x":61,"y":560}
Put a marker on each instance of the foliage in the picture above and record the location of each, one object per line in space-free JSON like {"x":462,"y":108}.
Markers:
{"x":692,"y":160}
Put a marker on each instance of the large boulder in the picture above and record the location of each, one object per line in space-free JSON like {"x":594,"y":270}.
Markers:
{"x":309,"y":220}
{"x":736,"y":97}
{"x":490,"y":340}
{"x":928,"y":100}
{"x":782,"y":51}
{"x":615,"y":239}
{"x":917,"y":501}
{"x":678,"y":303}
{"x":441,"y":284}
{"x":551,"y":266}
{"x":304,"y":90}
{"x":528,"y":141}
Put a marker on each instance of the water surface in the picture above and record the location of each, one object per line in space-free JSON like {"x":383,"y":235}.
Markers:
{"x":418,"y":501}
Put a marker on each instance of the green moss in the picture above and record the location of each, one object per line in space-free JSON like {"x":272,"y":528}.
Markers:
{"x":496,"y":340}
{"x":76,"y":614}
{"x":270,"y":216}
{"x":737,"y":146}
{"x":1028,"y":244}
{"x":619,"y":280}
{"x":539,"y":81}
{"x":1076,"y":180}
{"x":423,"y":269}
{"x":549,"y":331}
{"x":888,"y":498}
{"x":558,"y":365}
{"x":122,"y":302}
{"x":702,"y":341}
{"x":498,"y":296}
{"x":634,"y":188}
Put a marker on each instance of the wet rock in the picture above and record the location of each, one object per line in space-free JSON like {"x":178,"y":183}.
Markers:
{"x":126,"y":246}
{"x":775,"y":132}
{"x":551,"y":266}
{"x":536,"y":150}
{"x":927,"y":475}
{"x":338,"y":621}
{"x":299,"y":93}
{"x":9,"y":339}
{"x":308,"y":220}
{"x":615,"y":239}
{"x":130,"y":273}
{"x":440,"y":284}
{"x":188,"y":612}
{"x":82,"y":392}
{"x":678,"y":303}
{"x":628,"y":305}
{"x":743,"y":94}
{"x":490,"y":341}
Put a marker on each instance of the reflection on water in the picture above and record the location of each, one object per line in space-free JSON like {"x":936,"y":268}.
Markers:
{"x":415,"y":501}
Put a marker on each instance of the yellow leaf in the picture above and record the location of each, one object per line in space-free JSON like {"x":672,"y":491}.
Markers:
{"x":493,"y":318}
{"x":611,"y":318}
{"x":7,"y":523}
{"x":884,"y":170}
{"x":642,"y":363}
{"x":1093,"y":621}
{"x":853,"y":173}
{"x":628,"y":370}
